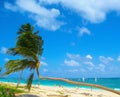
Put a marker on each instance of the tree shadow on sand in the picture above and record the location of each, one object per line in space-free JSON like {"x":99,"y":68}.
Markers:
{"x":28,"y":95}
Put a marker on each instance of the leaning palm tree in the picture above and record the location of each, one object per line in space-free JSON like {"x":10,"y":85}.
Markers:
{"x":29,"y":46}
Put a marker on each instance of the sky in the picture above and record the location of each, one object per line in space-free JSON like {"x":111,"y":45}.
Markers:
{"x":81,"y":37}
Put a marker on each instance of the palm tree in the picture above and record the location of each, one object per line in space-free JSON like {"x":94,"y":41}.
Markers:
{"x":83,"y":84}
{"x":29,"y":46}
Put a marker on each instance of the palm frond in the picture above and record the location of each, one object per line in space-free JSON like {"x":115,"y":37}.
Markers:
{"x":15,"y":66}
{"x":29,"y":82}
{"x":12,"y":51}
{"x":36,"y":33}
{"x":29,"y":46}
{"x":24,"y":28}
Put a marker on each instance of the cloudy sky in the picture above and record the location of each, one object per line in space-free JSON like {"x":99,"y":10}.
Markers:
{"x":81,"y":37}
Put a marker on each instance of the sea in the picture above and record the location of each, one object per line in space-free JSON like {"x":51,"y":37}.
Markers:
{"x":113,"y":83}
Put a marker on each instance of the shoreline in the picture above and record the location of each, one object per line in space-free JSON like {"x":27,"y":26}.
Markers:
{"x":55,"y":91}
{"x":80,"y":87}
{"x":70,"y":87}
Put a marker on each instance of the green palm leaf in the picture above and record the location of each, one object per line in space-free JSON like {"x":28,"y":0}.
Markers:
{"x":29,"y":47}
{"x":29,"y":82}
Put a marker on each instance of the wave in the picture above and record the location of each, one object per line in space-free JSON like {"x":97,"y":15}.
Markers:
{"x":118,"y":89}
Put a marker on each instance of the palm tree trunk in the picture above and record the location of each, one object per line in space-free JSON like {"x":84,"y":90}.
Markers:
{"x":38,"y":74}
{"x":19,"y":79}
{"x":84,"y":84}
{"x":29,"y":82}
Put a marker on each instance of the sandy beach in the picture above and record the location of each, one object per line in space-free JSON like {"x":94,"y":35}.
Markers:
{"x":55,"y":91}
{"x":47,"y":91}
{"x":60,"y":48}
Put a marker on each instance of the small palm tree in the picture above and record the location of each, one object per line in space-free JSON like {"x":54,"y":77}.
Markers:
{"x":29,"y":46}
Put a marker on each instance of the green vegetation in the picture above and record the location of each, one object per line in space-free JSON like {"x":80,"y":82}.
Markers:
{"x":29,"y":46}
{"x":8,"y":91}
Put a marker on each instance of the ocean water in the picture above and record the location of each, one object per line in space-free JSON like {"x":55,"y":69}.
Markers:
{"x":113,"y":83}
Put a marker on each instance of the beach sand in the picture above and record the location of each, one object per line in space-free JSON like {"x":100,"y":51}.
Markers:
{"x":49,"y":91}
{"x":55,"y":91}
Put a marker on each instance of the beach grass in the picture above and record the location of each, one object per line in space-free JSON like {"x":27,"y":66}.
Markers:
{"x":7,"y":90}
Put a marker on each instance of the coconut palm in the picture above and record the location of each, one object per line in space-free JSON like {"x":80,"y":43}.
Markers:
{"x":83,"y":84}
{"x":29,"y":46}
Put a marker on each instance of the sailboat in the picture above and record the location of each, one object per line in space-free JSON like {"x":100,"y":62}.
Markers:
{"x":83,"y":79}
{"x":95,"y":79}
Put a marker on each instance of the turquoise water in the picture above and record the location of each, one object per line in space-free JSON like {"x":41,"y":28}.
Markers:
{"x":113,"y":83}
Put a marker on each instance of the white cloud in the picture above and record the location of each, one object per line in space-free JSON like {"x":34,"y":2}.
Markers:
{"x":43,"y":63}
{"x":82,"y":70}
{"x":77,"y":58}
{"x":6,"y":59}
{"x":118,"y":59}
{"x":73,"y":70}
{"x":90,"y":64}
{"x":3,"y":50}
{"x":45,"y":70}
{"x":105,"y":60}
{"x":43,"y":17}
{"x":71,"y":63}
{"x":101,"y":67}
{"x":94,"y":11}
{"x":89,"y":57}
{"x":10,"y":7}
{"x":42,"y":58}
{"x":49,"y":1}
{"x":84,"y":30}
{"x":86,"y":64}
{"x":73,"y":56}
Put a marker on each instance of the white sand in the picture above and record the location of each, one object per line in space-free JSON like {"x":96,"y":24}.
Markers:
{"x":52,"y":91}
{"x":48,"y":91}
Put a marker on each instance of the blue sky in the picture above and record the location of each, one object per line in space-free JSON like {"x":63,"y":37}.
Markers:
{"x":81,"y":38}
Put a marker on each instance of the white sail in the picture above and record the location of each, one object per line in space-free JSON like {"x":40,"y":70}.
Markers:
{"x":83,"y":79}
{"x":95,"y":79}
